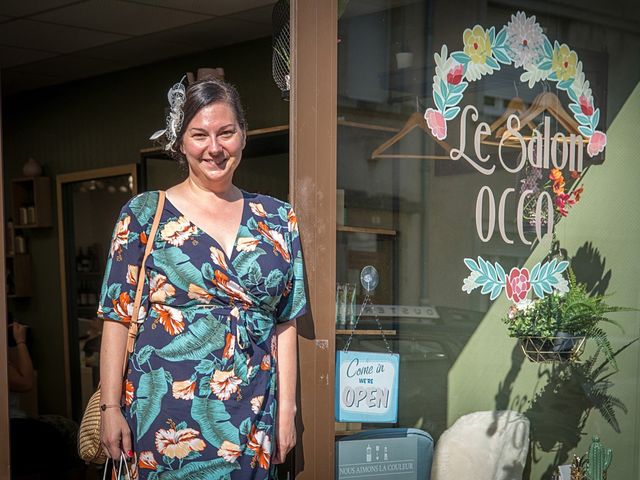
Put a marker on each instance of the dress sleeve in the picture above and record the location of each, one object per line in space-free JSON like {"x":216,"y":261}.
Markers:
{"x":293,"y":302}
{"x":123,"y":262}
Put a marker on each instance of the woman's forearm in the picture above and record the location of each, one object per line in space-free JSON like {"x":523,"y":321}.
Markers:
{"x":112,"y":348}
{"x":287,"y":359}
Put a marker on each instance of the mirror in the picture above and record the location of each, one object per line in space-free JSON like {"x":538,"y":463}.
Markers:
{"x":89,"y":203}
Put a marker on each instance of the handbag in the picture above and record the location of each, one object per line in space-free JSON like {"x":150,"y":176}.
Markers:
{"x":90,"y":431}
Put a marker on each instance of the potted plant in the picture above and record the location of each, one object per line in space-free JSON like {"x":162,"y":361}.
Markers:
{"x":556,"y":326}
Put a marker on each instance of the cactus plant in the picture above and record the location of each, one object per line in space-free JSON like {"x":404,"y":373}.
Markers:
{"x":598,"y":460}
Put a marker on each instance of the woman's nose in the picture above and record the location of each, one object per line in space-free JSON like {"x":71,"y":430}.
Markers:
{"x":214,"y":146}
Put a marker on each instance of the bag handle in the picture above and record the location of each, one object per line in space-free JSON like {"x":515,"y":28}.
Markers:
{"x":123,"y":460}
{"x":134,"y":325}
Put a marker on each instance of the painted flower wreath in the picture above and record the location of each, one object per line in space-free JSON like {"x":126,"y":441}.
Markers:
{"x":522,"y":43}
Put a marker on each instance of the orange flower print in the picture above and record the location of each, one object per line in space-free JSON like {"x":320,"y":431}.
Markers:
{"x":132,"y":274}
{"x":229,"y":451}
{"x":231,"y":288}
{"x":276,"y":239}
{"x":229,"y":346}
{"x":143,"y":238}
{"x":178,"y":443}
{"x":218,"y":258}
{"x":266,"y":363}
{"x":128,"y":393}
{"x":123,"y":307}
{"x":120,"y":236}
{"x":160,"y":289}
{"x":256,"y":403}
{"x":257,"y":209}
{"x":247,"y":244}
{"x":183,"y":390}
{"x":223,"y":384}
{"x":170,"y":318}
{"x":260,"y":443}
{"x":293,"y":221}
{"x":176,"y":232}
{"x":577,"y":192}
{"x":146,"y":460}
{"x":199,"y":294}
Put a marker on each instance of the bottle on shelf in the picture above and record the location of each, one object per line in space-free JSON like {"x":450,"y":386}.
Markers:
{"x":10,"y":238}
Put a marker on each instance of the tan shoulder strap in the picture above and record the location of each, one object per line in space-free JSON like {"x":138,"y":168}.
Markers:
{"x":135,"y":324}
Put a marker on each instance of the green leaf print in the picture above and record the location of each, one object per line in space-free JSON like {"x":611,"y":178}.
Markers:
{"x":105,"y":283}
{"x":244,"y":260}
{"x":240,"y":366}
{"x":202,"y":337}
{"x":151,"y":389}
{"x":114,"y":291}
{"x":245,"y":426}
{"x":213,"y":419}
{"x":183,"y":272}
{"x":255,"y":274}
{"x":217,"y":468}
{"x":205,"y":366}
{"x":144,"y":207}
{"x":144,"y":354}
{"x":274,"y":278}
{"x":283,"y":212}
{"x":298,"y":287}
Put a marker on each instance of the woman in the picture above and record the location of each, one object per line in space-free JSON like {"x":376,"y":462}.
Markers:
{"x":207,"y":393}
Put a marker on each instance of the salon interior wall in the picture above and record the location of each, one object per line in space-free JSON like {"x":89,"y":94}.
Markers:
{"x":100,"y":122}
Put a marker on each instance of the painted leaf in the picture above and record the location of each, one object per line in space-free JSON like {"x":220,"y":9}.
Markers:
{"x":217,"y":468}
{"x":487,"y":287}
{"x":565,"y":84}
{"x":151,"y":389}
{"x":451,"y":113}
{"x":144,"y":207}
{"x":534,"y":272}
{"x":495,"y":293}
{"x":438,"y":101}
{"x":575,"y":109}
{"x":183,"y":272}
{"x":471,"y":265}
{"x":213,"y":419}
{"x":572,"y":95}
{"x":492,"y":63}
{"x":595,"y":118}
{"x":454,"y":99}
{"x":586,"y":131}
{"x":546,"y":65}
{"x":492,"y":35}
{"x":502,"y":276}
{"x":548,"y":50}
{"x":501,"y":56}
{"x":199,"y":340}
{"x":502,"y":36}
{"x":583,"y":119}
{"x":461,"y":57}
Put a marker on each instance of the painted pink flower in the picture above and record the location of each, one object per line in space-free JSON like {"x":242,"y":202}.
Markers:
{"x":518,"y":284}
{"x":597,"y":143}
{"x":454,"y":77}
{"x":585,"y":105}
{"x":437,"y":123}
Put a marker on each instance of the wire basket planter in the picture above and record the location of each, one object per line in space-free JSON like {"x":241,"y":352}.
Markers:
{"x":561,"y":348}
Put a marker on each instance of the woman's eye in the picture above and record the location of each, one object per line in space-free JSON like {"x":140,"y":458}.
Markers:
{"x":227,"y":133}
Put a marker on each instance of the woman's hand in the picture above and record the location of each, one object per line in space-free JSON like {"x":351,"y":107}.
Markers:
{"x":116,"y":436}
{"x":19,"y":333}
{"x":285,"y":432}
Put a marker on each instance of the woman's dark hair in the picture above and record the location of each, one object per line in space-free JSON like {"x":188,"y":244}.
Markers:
{"x":199,"y":95}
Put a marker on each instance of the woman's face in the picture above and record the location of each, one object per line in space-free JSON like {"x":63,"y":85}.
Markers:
{"x":213,"y":143}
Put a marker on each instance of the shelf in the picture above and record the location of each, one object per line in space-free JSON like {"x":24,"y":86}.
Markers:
{"x":31,"y":192}
{"x":372,"y":230}
{"x":366,"y":332}
{"x":367,"y":126}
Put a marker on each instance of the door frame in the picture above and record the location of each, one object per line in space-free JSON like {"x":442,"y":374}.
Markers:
{"x":312,"y":177}
{"x":83,"y":175}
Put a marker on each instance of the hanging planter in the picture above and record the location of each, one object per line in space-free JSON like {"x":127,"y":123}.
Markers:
{"x":563,"y":347}
{"x":555,"y":327}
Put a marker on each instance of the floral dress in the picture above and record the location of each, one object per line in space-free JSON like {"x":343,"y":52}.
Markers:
{"x":200,"y":392}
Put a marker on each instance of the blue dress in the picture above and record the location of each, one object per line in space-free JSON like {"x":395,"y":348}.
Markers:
{"x":200,"y":392}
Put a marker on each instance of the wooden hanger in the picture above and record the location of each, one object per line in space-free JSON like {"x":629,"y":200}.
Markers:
{"x":515,"y":106}
{"x":415,"y":120}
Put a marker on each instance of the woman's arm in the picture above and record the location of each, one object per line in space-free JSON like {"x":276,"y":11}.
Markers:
{"x":116,"y":436}
{"x":21,"y":369}
{"x":287,"y":371}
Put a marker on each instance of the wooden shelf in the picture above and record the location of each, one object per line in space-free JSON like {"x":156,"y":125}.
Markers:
{"x":366,"y":332}
{"x":31,"y":192}
{"x":372,"y":230}
{"x":367,"y":126}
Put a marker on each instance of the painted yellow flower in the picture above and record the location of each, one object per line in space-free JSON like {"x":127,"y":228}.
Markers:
{"x":564,"y":62}
{"x":229,"y":451}
{"x":178,"y":443}
{"x":477,"y":44}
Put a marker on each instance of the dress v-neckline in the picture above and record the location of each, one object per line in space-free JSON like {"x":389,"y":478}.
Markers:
{"x":228,"y":256}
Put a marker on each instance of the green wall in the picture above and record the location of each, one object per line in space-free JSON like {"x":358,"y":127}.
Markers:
{"x":100,"y":122}
{"x":563,"y":421}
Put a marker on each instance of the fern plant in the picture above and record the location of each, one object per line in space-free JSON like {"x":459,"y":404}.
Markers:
{"x":573,"y":312}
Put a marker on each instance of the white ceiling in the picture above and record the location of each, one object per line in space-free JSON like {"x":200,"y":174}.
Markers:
{"x":46,"y":42}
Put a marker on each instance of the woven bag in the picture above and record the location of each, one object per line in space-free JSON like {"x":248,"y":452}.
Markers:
{"x":90,"y":431}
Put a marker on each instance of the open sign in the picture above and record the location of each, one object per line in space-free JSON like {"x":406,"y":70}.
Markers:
{"x":367,"y":387}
